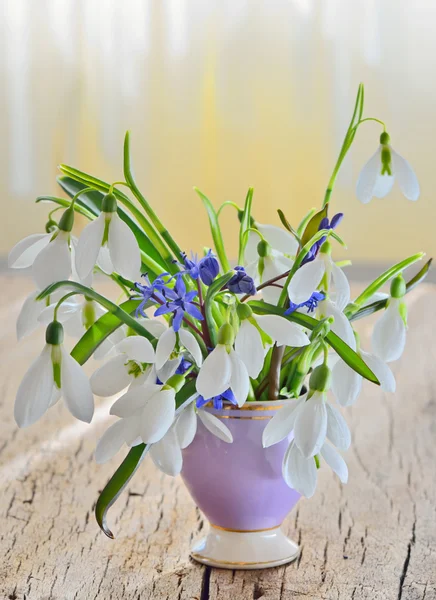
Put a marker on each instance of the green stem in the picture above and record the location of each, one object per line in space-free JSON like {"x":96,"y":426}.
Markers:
{"x":55,"y":313}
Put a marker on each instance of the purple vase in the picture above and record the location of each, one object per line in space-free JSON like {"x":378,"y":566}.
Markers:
{"x":240,"y":489}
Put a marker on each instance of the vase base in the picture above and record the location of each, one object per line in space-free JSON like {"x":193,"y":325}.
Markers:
{"x":245,"y":549}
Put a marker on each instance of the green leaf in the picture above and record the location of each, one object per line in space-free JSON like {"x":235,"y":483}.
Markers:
{"x":113,"y":308}
{"x":313,"y":225}
{"x":287,"y":225}
{"x":385,"y":277}
{"x":216,"y":231}
{"x":348,"y":355}
{"x":381,"y":304}
{"x":303,"y":224}
{"x":245,"y":224}
{"x":128,"y":468}
{"x":212,"y":291}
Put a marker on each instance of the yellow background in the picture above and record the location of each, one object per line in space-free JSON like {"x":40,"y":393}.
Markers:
{"x":221,"y":95}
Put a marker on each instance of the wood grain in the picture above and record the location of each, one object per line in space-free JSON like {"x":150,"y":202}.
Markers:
{"x":374,"y":538}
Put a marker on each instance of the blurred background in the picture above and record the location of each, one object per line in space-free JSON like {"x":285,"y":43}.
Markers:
{"x":222,"y":95}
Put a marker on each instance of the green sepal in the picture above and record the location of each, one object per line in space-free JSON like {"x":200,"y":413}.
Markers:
{"x":109,"y":203}
{"x":54,"y":334}
{"x":320,"y":378}
{"x":66,"y":222}
{"x":398,"y":287}
{"x":226,"y":335}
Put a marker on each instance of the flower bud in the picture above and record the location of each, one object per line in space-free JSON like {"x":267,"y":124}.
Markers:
{"x":67,"y":220}
{"x":385,"y":138}
{"x":54,"y":334}
{"x":398,"y":287}
{"x":241,"y":283}
{"x":109,"y":204}
{"x":263,"y":248}
{"x":244,"y":311}
{"x":226,"y":335}
{"x":208,"y":268}
{"x":320,"y":378}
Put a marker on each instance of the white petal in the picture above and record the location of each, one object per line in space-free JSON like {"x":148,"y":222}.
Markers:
{"x":368,"y":177}
{"x":337,"y":428}
{"x":24,"y":253}
{"x":136,"y":348}
{"x":279,"y":239}
{"x":148,"y":376}
{"x":88,"y":246}
{"x":341,"y":296}
{"x":53,"y":263}
{"x":165,"y":347}
{"x":282,"y":331}
{"x":104,"y":260}
{"x":186,"y":426}
{"x":381,"y":371}
{"x":134,"y":400}
{"x":335,"y":462}
{"x":299,"y":473}
{"x":169,"y":369}
{"x":346,"y":383}
{"x":74,"y":326}
{"x":389,"y":335}
{"x":76,"y":389}
{"x":239,"y":380}
{"x":110,"y":442}
{"x":188,"y":340}
{"x":35,"y":391}
{"x":251,"y":255}
{"x":310,"y":427}
{"x":375,"y":297}
{"x":383,"y":185}
{"x":157,"y":416}
{"x":405,"y":176}
{"x":28,"y":318}
{"x":123,"y":249}
{"x":305,"y":281}
{"x":214,"y":376}
{"x":250,"y":348}
{"x":167,"y":455}
{"x":153,"y":326}
{"x":282,"y":423}
{"x":341,"y":326}
{"x":111,"y":378}
{"x":215,"y":426}
{"x":65,"y":312}
{"x":108,"y":345}
{"x":274,"y":265}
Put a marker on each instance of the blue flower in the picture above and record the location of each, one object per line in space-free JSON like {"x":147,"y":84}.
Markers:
{"x":241,"y":283}
{"x":183,"y":366}
{"x":189,"y":265}
{"x":207,"y":268}
{"x":149,"y":291}
{"x":218,"y":401}
{"x":311,"y":303}
{"x":179,"y":302}
{"x":325,"y":224}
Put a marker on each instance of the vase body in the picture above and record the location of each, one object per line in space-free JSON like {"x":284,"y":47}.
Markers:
{"x":240,"y":489}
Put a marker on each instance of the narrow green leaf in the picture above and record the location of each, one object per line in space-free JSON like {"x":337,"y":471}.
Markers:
{"x":216,"y":231}
{"x":348,"y":355}
{"x":303,"y":224}
{"x":66,"y":203}
{"x":129,"y":466}
{"x":287,"y":225}
{"x":212,"y":291}
{"x":245,"y":224}
{"x":313,"y":225}
{"x":385,"y":277}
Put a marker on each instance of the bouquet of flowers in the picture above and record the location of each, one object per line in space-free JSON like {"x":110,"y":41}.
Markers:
{"x":193,"y":331}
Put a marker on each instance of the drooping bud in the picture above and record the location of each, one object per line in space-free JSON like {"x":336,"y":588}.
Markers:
{"x":67,"y":220}
{"x":54,"y":334}
{"x":226,"y":335}
{"x":263,"y":248}
{"x":385,"y":138}
{"x":398,"y":287}
{"x":109,"y":203}
{"x":244,"y":311}
{"x":386,"y":157}
{"x":208,"y":268}
{"x":320,"y":378}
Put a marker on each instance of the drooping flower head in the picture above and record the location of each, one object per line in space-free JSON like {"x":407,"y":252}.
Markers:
{"x":178,"y":301}
{"x":241,"y":283}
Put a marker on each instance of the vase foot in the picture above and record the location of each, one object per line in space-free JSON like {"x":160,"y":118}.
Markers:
{"x":245,"y":549}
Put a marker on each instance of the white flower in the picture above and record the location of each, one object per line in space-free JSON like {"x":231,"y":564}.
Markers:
{"x":52,"y":375}
{"x":168,"y":341}
{"x":389,"y":334}
{"x":223,"y":369}
{"x":76,"y":315}
{"x":301,"y":474}
{"x":379,"y":173}
{"x":132,"y":361}
{"x":281,"y":246}
{"x":251,"y":346}
{"x":341,"y":325}
{"x":308,"y":277}
{"x":123,"y":254}
{"x":49,"y":255}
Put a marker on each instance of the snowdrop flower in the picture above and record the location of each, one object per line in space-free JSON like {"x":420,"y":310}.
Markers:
{"x":77,"y":316}
{"x":29,"y":318}
{"x":48,"y":254}
{"x":170,"y":340}
{"x":52,"y":375}
{"x":132,"y":362}
{"x":379,"y":173}
{"x":308,"y":277}
{"x":301,"y":473}
{"x":108,"y":230}
{"x":257,"y":333}
{"x":224,"y":369}
{"x":389,"y":334}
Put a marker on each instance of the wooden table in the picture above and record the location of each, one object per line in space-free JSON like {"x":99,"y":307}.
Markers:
{"x":374,"y":538}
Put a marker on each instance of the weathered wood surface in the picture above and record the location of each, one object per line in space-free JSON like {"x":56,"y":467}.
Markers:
{"x":374,"y":538}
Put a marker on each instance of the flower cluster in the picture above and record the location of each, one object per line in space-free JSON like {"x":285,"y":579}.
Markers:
{"x":194,"y":334}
